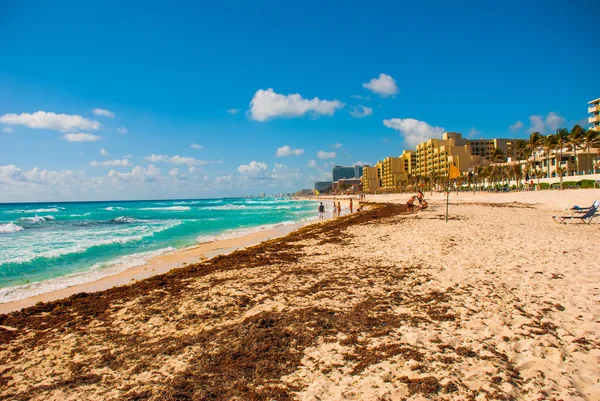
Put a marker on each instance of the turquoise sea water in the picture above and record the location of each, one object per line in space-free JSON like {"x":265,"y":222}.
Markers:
{"x":49,"y":246}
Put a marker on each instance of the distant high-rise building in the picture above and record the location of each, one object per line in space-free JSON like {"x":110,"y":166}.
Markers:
{"x":340,"y":172}
{"x":358,"y":170}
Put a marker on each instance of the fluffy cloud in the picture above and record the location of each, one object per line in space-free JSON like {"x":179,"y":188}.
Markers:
{"x":473,"y":133}
{"x":288,"y":151}
{"x":137,"y":174}
{"x":190,"y":161}
{"x":516,"y":126}
{"x":360,"y":97}
{"x":413,"y":131}
{"x":103,"y":152}
{"x":266,"y":104}
{"x":337,"y":145}
{"x":312,"y":164}
{"x":111,"y":163}
{"x":233,"y":111}
{"x":384,"y":86}
{"x":359,"y":163}
{"x":104,"y":113}
{"x":554,"y":121}
{"x":551,"y":123}
{"x":49,"y":120}
{"x":8,"y":130}
{"x":122,"y":130}
{"x":325,"y":155}
{"x":252,"y":168}
{"x":196,"y":146}
{"x":360,"y":111}
{"x":81,"y":137}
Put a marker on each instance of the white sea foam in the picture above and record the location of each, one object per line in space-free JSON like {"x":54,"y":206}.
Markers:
{"x":172,"y":208}
{"x":113,"y":208}
{"x":240,"y":232}
{"x":49,"y":210}
{"x":37,"y":219}
{"x":56,"y":244}
{"x":80,"y":215}
{"x":9,"y":228}
{"x":96,"y":272}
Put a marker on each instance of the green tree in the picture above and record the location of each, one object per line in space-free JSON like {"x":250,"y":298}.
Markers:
{"x":497,"y":156}
{"x":548,"y":144}
{"x":562,"y":140}
{"x":575,"y":139}
{"x":535,"y":142}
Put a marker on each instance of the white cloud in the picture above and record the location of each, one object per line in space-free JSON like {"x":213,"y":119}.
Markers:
{"x":325,"y":155}
{"x":359,"y":163}
{"x":190,"y":161}
{"x":81,"y":137}
{"x":105,"y":113}
{"x":14,"y":176}
{"x":473,"y":133}
{"x":49,"y":120}
{"x":233,"y":111}
{"x":196,"y":146}
{"x":360,"y":111}
{"x":337,"y":145}
{"x":224,"y":178}
{"x":111,"y":163}
{"x":413,"y":131}
{"x":551,"y":123}
{"x":554,"y":121}
{"x":137,"y":174}
{"x":312,"y":164}
{"x":8,"y":130}
{"x":266,"y":104}
{"x":516,"y":126}
{"x":252,"y":168}
{"x":288,"y":151}
{"x":122,"y":130}
{"x":360,"y":97}
{"x":384,"y":86}
{"x":104,"y":152}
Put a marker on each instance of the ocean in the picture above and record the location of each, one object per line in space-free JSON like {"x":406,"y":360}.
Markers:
{"x":49,"y":246}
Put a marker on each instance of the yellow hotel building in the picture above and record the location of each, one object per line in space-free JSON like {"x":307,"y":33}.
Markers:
{"x":594,"y":110}
{"x":436,"y":155}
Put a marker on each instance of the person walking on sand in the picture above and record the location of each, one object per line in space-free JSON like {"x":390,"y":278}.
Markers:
{"x":334,"y":208}
{"x":321,"y":211}
{"x":350,"y":206}
{"x":339,"y":209}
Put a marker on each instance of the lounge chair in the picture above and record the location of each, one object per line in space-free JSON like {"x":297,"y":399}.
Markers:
{"x":586,"y":218}
{"x":578,"y":209}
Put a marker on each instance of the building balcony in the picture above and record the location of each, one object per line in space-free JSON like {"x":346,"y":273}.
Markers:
{"x":593,"y":119}
{"x":593,"y":109}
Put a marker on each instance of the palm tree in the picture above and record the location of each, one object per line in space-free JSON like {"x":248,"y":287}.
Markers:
{"x":575,"y":139}
{"x":516,"y":170}
{"x":562,"y":140}
{"x":535,"y":141}
{"x":521,"y":149}
{"x":591,"y":139}
{"x":497,"y":156}
{"x":548,"y":144}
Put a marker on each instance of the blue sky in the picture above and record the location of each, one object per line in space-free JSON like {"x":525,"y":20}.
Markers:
{"x":168,"y":73}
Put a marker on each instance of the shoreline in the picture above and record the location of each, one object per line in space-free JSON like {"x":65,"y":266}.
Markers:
{"x":158,"y":265}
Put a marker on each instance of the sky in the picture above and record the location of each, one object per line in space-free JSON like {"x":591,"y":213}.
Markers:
{"x":164,"y":100}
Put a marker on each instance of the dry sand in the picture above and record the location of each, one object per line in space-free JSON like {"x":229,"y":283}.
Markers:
{"x":497,"y":303}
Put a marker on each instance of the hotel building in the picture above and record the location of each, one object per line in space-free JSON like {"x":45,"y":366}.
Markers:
{"x":594,"y":110}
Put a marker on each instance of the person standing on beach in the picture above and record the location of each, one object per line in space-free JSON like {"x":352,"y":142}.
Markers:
{"x":321,"y":211}
{"x":334,"y":209}
{"x":339,"y":209}
{"x":350,"y":206}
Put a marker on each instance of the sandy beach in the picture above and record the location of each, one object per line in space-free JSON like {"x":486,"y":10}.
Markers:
{"x":498,"y":303}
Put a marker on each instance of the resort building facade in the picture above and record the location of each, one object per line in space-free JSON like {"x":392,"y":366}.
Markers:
{"x":339,"y":172}
{"x":594,"y":118}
